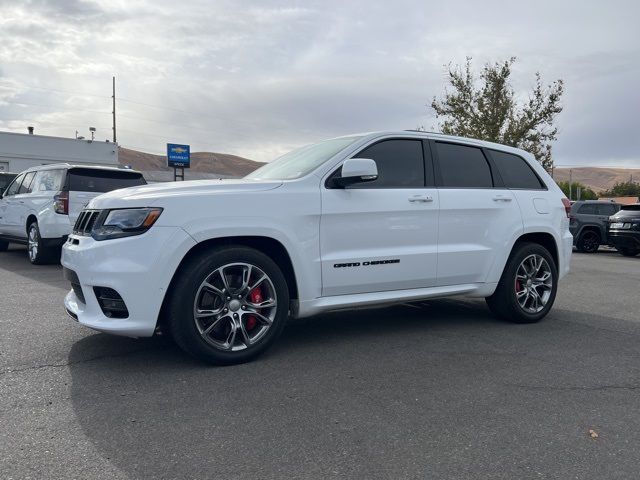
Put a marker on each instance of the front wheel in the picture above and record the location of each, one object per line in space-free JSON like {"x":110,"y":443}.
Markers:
{"x":527,"y":288}
{"x":4,"y":245}
{"x":228,"y":305}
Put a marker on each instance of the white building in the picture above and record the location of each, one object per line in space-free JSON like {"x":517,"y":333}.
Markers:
{"x":19,"y":151}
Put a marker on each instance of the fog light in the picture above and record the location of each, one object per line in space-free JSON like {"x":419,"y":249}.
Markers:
{"x":111,"y":302}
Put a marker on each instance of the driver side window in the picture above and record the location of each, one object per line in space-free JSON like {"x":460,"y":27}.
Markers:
{"x":400,"y":164}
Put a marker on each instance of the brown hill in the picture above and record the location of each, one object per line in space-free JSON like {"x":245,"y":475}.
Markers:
{"x":205,"y":162}
{"x":596,"y":178}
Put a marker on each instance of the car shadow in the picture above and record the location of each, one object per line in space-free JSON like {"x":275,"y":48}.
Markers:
{"x":149,"y":408}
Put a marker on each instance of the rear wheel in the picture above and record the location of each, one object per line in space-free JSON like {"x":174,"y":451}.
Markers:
{"x":4,"y":245}
{"x":38,"y":253}
{"x":228,"y":305}
{"x":527,"y":288}
{"x":629,"y":251}
{"x":588,"y":241}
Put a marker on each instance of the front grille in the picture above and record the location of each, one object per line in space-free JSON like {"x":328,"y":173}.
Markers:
{"x":85,"y":222}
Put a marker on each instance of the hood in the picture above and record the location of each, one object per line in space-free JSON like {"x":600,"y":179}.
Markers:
{"x":627,"y":213}
{"x":150,"y":195}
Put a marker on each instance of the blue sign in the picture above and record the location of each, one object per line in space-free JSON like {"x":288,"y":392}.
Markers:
{"x":178,"y":155}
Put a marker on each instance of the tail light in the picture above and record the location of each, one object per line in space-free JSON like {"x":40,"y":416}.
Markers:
{"x":61,"y":203}
{"x":567,"y":206}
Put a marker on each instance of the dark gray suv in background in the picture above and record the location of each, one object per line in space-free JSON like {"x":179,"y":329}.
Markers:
{"x":588,"y":223}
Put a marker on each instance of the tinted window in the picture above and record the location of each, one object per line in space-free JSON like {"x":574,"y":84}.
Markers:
{"x":515,"y":171}
{"x":400,"y":164}
{"x":48,"y":180}
{"x":13,"y":188}
{"x":588,"y":209}
{"x":604,"y":209}
{"x":92,"y":180}
{"x":26,"y":183}
{"x":463,"y":167}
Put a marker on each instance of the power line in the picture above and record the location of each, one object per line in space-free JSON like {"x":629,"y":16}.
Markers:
{"x":81,"y":94}
{"x":57,"y":107}
{"x":126,"y":100}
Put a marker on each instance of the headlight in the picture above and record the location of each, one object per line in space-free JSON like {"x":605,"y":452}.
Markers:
{"x":125,"y":222}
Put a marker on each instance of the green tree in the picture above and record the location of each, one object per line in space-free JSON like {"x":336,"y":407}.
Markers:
{"x":623,"y":189}
{"x":487,"y":109}
{"x":585,"y":192}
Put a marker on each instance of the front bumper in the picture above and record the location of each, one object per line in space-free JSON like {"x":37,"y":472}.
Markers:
{"x":624,"y":238}
{"x":139,"y":268}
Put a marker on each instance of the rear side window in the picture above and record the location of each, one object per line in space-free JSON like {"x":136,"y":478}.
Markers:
{"x":26,"y":183}
{"x":515,"y":171}
{"x":587,"y":209}
{"x":400,"y":164}
{"x":605,"y":209}
{"x":48,"y":181}
{"x":463,"y":166}
{"x":93,"y":180}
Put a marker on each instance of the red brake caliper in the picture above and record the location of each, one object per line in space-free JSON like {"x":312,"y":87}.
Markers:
{"x":255,"y":296}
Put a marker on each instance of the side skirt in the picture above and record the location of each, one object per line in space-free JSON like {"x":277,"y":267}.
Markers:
{"x":348,"y":302}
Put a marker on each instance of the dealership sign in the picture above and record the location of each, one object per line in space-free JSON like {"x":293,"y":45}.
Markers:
{"x":178,"y":155}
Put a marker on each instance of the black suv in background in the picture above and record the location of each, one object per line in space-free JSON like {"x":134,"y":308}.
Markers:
{"x":624,"y":230}
{"x":5,"y":179}
{"x":589,"y":223}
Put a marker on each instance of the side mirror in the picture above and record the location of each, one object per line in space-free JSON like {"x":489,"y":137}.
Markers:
{"x":356,"y":170}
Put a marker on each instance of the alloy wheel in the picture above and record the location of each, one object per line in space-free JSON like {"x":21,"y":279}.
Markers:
{"x":534,"y":283}
{"x":33,"y":243}
{"x":590,"y":242}
{"x":235,"y":306}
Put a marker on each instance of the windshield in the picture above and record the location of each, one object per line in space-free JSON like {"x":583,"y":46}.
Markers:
{"x":301,"y":161}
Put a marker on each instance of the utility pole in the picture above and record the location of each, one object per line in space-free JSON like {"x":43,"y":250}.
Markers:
{"x":570,"y":174}
{"x":114,"y":109}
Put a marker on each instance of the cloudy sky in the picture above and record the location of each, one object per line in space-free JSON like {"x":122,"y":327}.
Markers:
{"x":259,"y":78}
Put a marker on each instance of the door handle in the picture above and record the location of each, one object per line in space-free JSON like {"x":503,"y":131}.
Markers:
{"x":421,"y":199}
{"x":501,"y":198}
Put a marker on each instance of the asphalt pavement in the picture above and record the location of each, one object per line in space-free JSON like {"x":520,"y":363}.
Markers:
{"x":438,"y":390}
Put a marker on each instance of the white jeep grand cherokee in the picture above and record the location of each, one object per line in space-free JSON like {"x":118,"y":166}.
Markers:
{"x":358,"y":220}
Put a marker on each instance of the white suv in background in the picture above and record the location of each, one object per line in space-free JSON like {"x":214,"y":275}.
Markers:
{"x":361,"y":220}
{"x":41,"y":205}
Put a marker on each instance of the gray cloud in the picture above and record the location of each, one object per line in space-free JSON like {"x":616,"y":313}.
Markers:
{"x":258,"y":78}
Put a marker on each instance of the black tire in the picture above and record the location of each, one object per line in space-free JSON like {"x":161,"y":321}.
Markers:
{"x":588,"y":241}
{"x":4,"y":245}
{"x":181,"y":305}
{"x":38,"y":254}
{"x":504,"y":304}
{"x":628,"y":251}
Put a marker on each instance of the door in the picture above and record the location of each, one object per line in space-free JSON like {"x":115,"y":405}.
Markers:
{"x":8,"y":212}
{"x":478,"y":215}
{"x":22,"y":205}
{"x":382,"y":235}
